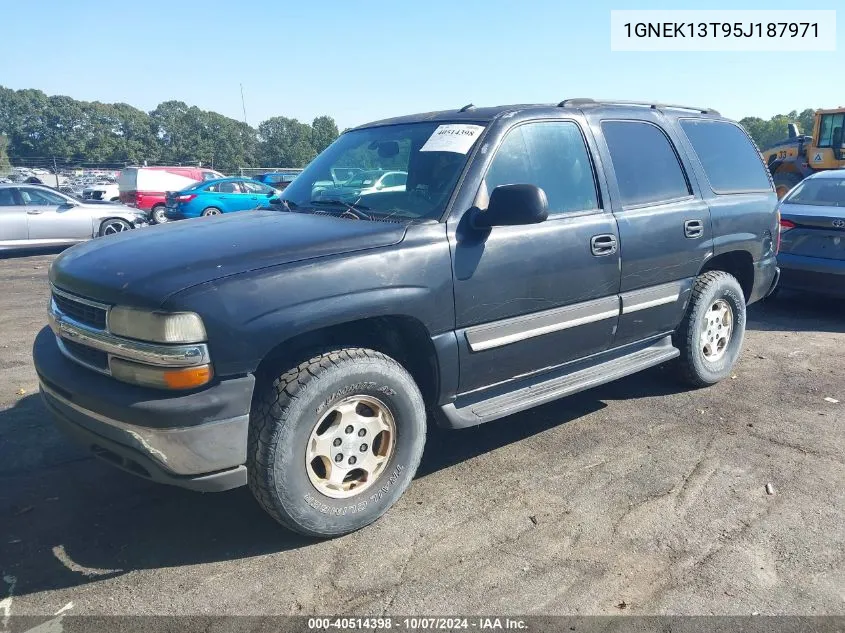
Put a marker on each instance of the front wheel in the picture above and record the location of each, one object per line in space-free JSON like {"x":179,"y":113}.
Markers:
{"x":711,"y":334}
{"x":335,"y":441}
{"x":114,"y":225}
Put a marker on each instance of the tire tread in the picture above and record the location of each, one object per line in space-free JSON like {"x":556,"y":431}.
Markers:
{"x":271,"y":406}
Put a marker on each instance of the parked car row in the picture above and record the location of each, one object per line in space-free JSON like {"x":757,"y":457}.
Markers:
{"x":146,"y":188}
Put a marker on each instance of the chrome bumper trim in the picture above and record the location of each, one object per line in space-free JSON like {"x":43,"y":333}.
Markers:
{"x":190,"y":450}
{"x":148,"y":353}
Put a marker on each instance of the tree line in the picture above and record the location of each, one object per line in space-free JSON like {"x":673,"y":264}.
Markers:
{"x":768,"y":133}
{"x":36,"y":128}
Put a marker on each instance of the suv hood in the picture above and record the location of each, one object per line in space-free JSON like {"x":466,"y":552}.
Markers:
{"x":145,"y":266}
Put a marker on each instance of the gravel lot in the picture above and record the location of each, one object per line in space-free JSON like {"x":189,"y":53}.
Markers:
{"x":636,"y":492}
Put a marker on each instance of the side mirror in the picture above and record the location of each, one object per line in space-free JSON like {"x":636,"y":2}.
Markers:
{"x":513,"y":205}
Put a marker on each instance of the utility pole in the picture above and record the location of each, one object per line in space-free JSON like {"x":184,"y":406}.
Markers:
{"x":243,"y":103}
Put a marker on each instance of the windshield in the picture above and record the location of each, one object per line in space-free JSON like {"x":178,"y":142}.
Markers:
{"x":827,"y":192}
{"x":432,"y":154}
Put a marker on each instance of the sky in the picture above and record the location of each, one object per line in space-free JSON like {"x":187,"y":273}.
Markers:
{"x":363,"y":60}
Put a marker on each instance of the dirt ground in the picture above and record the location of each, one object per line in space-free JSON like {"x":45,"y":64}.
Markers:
{"x":637,"y":492}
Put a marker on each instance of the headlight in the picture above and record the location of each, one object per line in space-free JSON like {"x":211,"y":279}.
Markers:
{"x":160,"y":377}
{"x":157,"y":327}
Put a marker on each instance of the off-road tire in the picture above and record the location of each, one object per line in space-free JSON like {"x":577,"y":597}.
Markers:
{"x":694,"y":368}
{"x":285,"y":411}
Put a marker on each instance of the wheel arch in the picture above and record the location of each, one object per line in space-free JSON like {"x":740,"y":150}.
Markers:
{"x":402,"y":337}
{"x":738,"y":263}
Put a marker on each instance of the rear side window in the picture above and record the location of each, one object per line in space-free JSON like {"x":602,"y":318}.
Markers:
{"x":647,"y":168}
{"x":730,"y":160}
{"x":551,"y":155}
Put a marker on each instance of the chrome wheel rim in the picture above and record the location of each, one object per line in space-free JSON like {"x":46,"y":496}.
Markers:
{"x":350,"y":446}
{"x":116,"y":226}
{"x":716,"y":330}
{"x":208,"y":212}
{"x":159,"y":215}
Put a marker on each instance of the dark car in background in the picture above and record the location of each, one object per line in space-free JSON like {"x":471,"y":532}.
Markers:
{"x":812,"y":224}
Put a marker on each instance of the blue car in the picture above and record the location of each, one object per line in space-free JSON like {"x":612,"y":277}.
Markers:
{"x":214,"y":197}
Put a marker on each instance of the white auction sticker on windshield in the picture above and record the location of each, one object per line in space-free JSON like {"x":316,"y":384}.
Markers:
{"x":454,"y":137}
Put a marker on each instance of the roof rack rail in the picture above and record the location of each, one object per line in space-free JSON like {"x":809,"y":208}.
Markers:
{"x":467,"y":107}
{"x":653,"y":105}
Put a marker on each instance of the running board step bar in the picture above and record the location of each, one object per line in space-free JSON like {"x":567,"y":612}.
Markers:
{"x":547,"y":389}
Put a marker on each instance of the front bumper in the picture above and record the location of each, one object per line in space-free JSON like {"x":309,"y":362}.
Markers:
{"x":812,"y":274}
{"x":195,"y":440}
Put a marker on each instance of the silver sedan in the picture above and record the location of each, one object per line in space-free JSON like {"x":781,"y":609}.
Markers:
{"x":35,"y":216}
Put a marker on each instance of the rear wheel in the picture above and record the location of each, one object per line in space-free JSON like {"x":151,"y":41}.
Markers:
{"x":711,"y":334}
{"x":159,"y":214}
{"x":784,"y":181}
{"x":211,"y":211}
{"x":114,"y":225}
{"x":334,"y":441}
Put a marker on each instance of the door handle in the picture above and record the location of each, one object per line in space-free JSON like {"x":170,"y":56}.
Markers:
{"x":34,"y":212}
{"x":601,"y":245}
{"x":693,"y":229}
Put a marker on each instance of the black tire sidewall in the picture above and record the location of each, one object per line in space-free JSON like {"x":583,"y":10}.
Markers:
{"x":318,"y":514}
{"x":727,"y":288}
{"x":206,"y":214}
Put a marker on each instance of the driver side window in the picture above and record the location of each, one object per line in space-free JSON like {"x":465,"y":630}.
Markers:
{"x":33,"y":196}
{"x":551,"y":155}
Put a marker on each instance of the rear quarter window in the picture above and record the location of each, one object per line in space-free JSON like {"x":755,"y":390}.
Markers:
{"x":730,"y":160}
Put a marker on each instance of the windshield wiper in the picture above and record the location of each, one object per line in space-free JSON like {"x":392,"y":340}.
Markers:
{"x":336,"y":201}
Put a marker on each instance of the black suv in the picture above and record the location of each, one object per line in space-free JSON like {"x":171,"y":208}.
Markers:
{"x":533,"y":252}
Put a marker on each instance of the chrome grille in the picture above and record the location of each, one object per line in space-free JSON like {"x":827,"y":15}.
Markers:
{"x":81,"y":311}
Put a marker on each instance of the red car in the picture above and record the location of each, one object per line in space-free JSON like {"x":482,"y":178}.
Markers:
{"x":146,"y":187}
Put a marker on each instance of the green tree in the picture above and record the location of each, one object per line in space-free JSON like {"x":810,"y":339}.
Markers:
{"x":285,"y":142}
{"x":323,"y":133}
